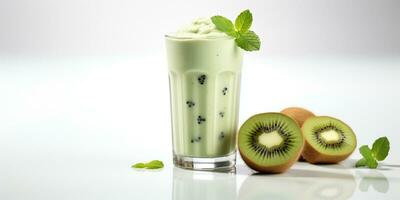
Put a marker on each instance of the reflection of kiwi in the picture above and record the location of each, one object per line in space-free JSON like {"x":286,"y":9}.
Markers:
{"x":329,"y":188}
{"x":328,"y":140}
{"x":270,"y":142}
{"x":258,"y":187}
{"x":300,"y":115}
{"x":322,"y":183}
{"x":299,"y":184}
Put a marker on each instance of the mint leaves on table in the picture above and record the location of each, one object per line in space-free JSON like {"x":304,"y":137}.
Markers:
{"x":380,"y":148}
{"x":244,"y":37}
{"x":139,"y":165}
{"x":368,"y":159}
{"x":155,"y":164}
{"x":379,"y":151}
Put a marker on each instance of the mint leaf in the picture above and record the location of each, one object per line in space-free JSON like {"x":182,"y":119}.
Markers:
{"x":248,"y":41}
{"x":379,"y":152}
{"x":155,"y":164}
{"x":139,"y":165}
{"x":368,"y":156}
{"x":243,"y":21}
{"x":244,"y":38}
{"x":223,"y":24}
{"x":372,"y":163}
{"x":366,"y":152}
{"x":380,"y":148}
{"x":362,"y":162}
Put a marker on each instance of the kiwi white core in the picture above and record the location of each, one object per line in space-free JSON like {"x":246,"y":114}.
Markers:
{"x":271,"y":139}
{"x":330,"y":136}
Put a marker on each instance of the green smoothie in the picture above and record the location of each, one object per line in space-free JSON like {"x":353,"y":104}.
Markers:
{"x":204,"y":74}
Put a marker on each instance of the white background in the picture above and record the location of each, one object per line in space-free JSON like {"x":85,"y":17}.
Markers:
{"x":132,"y":27}
{"x":84,"y":88}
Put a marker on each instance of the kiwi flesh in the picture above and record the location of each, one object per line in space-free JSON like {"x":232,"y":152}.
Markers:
{"x":270,"y":142}
{"x":327,"y":140}
{"x":300,"y":115}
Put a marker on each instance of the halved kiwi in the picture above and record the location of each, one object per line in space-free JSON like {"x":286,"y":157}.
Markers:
{"x":270,"y":142}
{"x":328,"y":140}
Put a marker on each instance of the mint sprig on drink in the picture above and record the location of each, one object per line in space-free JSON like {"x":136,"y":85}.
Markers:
{"x":379,"y":151}
{"x":244,"y":37}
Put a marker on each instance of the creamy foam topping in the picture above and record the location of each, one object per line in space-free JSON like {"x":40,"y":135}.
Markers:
{"x":200,"y":28}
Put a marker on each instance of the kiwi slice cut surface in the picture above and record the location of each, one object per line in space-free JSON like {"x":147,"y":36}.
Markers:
{"x":270,"y":142}
{"x":328,"y":140}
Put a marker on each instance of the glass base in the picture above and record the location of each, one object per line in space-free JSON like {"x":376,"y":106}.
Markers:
{"x":225,"y":163}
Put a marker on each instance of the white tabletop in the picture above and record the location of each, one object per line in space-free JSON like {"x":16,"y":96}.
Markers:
{"x":71,"y":127}
{"x":108,"y":177}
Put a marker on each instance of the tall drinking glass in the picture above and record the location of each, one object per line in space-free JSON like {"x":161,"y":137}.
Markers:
{"x":204,"y":78}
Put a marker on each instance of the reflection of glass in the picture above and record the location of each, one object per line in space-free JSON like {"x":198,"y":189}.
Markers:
{"x":378,"y":181}
{"x":193,"y":185}
{"x":298,"y":184}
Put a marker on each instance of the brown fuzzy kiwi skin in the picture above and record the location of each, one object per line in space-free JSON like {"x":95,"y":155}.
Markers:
{"x":272,"y":169}
{"x":300,"y":115}
{"x":301,"y":159}
{"x":313,"y":156}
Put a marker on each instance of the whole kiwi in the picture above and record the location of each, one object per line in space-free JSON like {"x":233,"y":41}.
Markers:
{"x":300,"y":115}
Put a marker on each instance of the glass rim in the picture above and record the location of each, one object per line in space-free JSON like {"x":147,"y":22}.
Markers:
{"x":170,"y":36}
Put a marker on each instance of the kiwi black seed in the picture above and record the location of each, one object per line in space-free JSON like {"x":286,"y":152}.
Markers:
{"x":327,"y":140}
{"x":270,"y":142}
